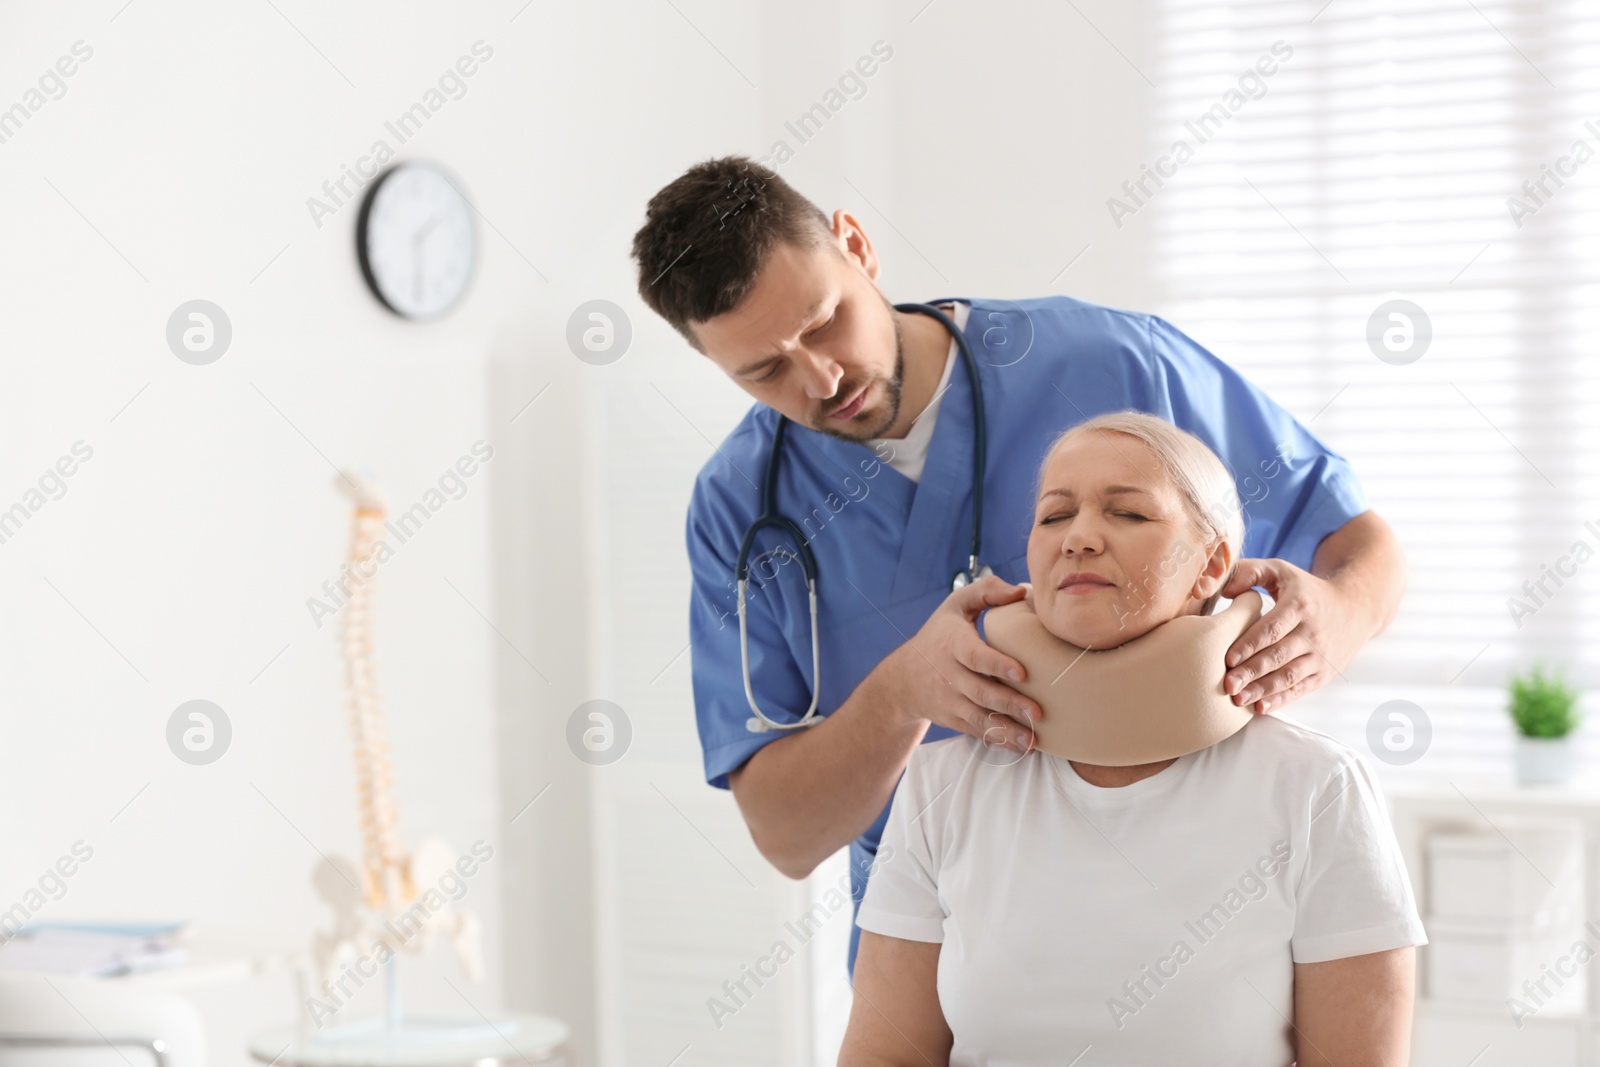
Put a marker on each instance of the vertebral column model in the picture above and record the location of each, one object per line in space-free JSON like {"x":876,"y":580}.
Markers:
{"x":385,"y":872}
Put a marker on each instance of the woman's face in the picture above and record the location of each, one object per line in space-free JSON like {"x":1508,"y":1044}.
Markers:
{"x":1113,"y":552}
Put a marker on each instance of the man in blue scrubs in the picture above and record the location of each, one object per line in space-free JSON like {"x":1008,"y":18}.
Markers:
{"x":877,"y":471}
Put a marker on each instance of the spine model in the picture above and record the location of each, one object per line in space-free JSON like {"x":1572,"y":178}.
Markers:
{"x":386,"y":914}
{"x":384,"y":865}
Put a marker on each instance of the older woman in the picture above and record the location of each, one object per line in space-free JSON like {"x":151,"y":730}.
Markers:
{"x":1243,"y":904}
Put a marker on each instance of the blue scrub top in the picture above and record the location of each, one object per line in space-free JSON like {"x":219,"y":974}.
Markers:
{"x":887,"y":547}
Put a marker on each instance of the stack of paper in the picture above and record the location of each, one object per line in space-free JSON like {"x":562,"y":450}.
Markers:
{"x":93,"y":950}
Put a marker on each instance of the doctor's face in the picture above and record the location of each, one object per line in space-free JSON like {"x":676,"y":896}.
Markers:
{"x":815,"y":339}
{"x":1113,"y":551}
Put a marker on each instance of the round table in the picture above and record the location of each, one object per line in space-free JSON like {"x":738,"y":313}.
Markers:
{"x":419,"y":1042}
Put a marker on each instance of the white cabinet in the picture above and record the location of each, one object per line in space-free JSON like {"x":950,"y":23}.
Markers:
{"x":1522,"y":871}
{"x":1502,"y":906}
{"x":1506,"y":880}
{"x":1454,"y":1037}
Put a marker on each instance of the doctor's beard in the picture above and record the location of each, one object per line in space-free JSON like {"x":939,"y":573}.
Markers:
{"x":892,"y":388}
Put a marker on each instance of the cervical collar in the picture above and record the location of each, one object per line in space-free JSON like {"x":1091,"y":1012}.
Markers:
{"x":1152,"y":698}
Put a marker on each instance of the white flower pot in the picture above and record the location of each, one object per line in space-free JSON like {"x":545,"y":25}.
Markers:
{"x":1544,"y":760}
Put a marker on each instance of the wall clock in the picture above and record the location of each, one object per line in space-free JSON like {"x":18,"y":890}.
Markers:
{"x":416,"y":241}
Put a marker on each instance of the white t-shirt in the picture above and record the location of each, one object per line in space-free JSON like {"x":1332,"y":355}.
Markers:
{"x":908,"y":454}
{"x":1156,"y":922}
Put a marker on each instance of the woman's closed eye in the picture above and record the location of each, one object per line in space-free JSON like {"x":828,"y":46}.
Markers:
{"x":1050,"y":519}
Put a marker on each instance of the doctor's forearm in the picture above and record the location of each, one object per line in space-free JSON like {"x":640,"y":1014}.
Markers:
{"x":1363,"y":560}
{"x":808,"y":795}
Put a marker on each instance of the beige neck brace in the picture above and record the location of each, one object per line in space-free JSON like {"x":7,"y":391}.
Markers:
{"x":1153,"y":698}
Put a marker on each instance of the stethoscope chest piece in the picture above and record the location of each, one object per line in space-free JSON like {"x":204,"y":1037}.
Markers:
{"x":973,"y":571}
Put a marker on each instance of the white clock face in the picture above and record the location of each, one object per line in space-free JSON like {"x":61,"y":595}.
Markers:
{"x":420,"y":244}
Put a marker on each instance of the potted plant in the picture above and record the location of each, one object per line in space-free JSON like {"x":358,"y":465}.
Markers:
{"x":1545,"y":711}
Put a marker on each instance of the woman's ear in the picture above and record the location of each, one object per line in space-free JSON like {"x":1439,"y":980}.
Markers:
{"x":1214,"y":575}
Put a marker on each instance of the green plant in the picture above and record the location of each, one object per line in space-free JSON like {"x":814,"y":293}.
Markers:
{"x":1543,"y":706}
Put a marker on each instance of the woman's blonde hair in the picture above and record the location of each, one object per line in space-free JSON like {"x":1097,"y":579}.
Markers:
{"x":1202,"y":480}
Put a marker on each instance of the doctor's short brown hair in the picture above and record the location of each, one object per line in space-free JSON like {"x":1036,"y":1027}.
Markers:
{"x":709,"y":232}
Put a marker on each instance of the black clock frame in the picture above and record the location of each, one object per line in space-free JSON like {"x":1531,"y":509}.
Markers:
{"x":368,"y":196}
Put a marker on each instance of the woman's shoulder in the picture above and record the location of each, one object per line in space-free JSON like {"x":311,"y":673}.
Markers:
{"x":959,"y":760}
{"x":946,"y":756}
{"x":933,"y":769}
{"x":1276,"y":741}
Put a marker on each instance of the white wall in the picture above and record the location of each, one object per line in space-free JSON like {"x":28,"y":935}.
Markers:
{"x":177,"y":165}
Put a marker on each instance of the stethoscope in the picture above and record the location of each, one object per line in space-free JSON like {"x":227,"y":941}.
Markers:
{"x":770,"y":517}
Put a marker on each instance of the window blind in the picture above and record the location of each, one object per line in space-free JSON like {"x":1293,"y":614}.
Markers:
{"x":1446,"y":154}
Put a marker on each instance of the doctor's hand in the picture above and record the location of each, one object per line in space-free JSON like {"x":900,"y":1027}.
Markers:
{"x":943,"y":674}
{"x":1297,"y":646}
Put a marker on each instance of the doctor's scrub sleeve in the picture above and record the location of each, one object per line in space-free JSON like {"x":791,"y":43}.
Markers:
{"x":713,"y":531}
{"x":1294,"y":488}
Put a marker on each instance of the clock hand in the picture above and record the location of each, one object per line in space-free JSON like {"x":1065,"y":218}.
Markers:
{"x":416,"y":255}
{"x":418,"y":237}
